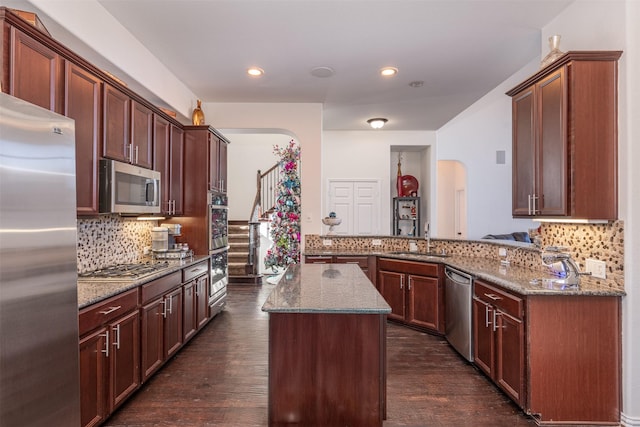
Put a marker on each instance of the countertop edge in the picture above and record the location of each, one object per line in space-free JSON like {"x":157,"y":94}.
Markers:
{"x":92,"y":292}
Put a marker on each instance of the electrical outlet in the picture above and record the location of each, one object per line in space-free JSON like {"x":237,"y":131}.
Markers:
{"x":376,"y":242}
{"x":327,"y":242}
{"x":597,"y":268}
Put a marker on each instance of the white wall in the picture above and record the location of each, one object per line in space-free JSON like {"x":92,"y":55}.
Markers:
{"x":472,"y":138}
{"x":303,"y":122}
{"x":250,"y":152}
{"x":367,"y":154}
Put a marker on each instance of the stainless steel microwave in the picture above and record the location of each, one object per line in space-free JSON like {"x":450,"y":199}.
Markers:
{"x":128,"y":189}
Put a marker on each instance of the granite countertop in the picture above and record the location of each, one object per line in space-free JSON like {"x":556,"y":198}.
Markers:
{"x":325,"y":288}
{"x":513,"y":277}
{"x":91,"y":292}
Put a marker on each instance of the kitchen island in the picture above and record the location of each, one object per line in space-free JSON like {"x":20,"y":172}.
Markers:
{"x":327,"y":348}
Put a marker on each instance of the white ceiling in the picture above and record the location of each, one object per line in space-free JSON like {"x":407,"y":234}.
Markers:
{"x":461,"y":49}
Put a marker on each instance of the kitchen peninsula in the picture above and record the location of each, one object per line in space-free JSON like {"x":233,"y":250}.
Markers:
{"x":327,"y":347}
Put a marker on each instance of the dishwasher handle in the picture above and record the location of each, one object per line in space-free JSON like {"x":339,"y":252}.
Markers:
{"x":458,"y":276}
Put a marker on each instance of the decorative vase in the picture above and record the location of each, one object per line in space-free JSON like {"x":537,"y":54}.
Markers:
{"x":555,"y":53}
{"x":399,"y":180}
{"x":197,"y":118}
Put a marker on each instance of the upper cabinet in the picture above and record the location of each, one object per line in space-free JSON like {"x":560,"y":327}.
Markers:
{"x":116,"y":124}
{"x":82,"y":103}
{"x":141,"y":148}
{"x":218,"y":164}
{"x":565,"y":139}
{"x":35,"y":72}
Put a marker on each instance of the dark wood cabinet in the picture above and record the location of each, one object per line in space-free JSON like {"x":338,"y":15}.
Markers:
{"x":173,"y":322}
{"x":93,"y":376}
{"x":169,"y":161}
{"x":161,"y":329}
{"x":141,"y":149}
{"x":415,"y":292}
{"x":152,"y":333}
{"x":176,"y":170}
{"x":116,"y":116}
{"x":83,"y":104}
{"x":545,"y":350}
{"x":565,"y":139}
{"x":189,"y":326}
{"x":499,"y":338}
{"x":35,"y":72}
{"x":109,"y":355}
{"x":218,"y":162}
{"x":125,"y":363}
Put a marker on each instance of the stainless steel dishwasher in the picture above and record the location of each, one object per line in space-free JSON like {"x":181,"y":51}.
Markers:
{"x":458,"y":297}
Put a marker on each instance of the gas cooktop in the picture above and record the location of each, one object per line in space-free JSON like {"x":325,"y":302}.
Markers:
{"x":121,"y":272}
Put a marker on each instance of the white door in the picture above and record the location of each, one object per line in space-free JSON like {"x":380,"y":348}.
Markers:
{"x":357,"y":203}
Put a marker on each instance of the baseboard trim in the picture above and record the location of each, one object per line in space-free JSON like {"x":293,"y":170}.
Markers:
{"x":629,"y":421}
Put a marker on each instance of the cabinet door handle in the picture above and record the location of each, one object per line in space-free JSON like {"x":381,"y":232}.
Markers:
{"x":136,"y":161}
{"x":401,"y":282}
{"x":409,"y":284}
{"x":529,"y":205}
{"x":106,"y":343}
{"x":116,"y":331}
{"x":164,"y":308}
{"x":486,"y":316}
{"x":495,"y":320}
{"x":493,"y":297}
{"x":170,"y":310}
{"x":129,"y":157}
{"x":535,"y":204}
{"x":111,"y":310}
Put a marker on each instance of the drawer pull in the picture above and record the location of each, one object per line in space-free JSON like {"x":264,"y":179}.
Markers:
{"x":493,"y":297}
{"x":111,"y":310}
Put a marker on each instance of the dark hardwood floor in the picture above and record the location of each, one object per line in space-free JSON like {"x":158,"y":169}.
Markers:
{"x":220,"y":379}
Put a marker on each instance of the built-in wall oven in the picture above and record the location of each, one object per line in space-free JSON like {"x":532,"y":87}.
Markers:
{"x":218,"y":248}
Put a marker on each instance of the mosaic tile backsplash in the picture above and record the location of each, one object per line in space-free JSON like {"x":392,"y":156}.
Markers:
{"x":111,"y":239}
{"x":604,"y":242}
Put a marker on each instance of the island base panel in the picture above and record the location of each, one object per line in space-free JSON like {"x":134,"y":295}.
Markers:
{"x":327,"y":369}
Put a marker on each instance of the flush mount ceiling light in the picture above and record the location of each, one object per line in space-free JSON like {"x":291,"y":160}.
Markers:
{"x":377,"y":123}
{"x":388,"y":71}
{"x":255,"y":71}
{"x":322,"y":72}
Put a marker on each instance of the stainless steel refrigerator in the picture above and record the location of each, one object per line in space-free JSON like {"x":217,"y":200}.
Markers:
{"x":39,"y":370}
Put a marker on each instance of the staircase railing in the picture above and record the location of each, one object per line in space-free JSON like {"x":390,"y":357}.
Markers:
{"x":266,"y":194}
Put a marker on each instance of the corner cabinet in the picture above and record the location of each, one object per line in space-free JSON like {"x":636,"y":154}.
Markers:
{"x":558,"y":356}
{"x":565,"y":139}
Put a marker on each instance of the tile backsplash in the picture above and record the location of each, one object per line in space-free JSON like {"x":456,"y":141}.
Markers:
{"x":111,"y":239}
{"x":604,"y":242}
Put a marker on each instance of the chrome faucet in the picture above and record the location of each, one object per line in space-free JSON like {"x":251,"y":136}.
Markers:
{"x":551,"y":255}
{"x":427,"y":235}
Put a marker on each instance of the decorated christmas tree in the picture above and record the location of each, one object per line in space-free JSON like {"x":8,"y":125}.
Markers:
{"x":285,"y":220}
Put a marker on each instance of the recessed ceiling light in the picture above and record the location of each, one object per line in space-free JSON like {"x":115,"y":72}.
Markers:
{"x":322,"y":72}
{"x":377,"y":122}
{"x":255,"y":71}
{"x":388,"y":71}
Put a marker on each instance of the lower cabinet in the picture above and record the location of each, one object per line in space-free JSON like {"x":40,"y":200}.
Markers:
{"x":109,"y":355}
{"x":415,"y":292}
{"x":498,"y":331}
{"x":161,"y":321}
{"x":196,"y":299}
{"x":558,"y":356}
